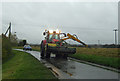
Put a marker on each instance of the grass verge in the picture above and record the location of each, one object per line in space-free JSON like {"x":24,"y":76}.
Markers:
{"x":25,"y":66}
{"x":102,"y":60}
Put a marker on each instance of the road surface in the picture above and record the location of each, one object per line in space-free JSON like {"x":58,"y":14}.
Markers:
{"x":69,"y":69}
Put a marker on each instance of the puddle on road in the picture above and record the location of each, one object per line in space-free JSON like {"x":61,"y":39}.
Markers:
{"x":78,"y":70}
{"x":64,"y":65}
{"x":82,"y":71}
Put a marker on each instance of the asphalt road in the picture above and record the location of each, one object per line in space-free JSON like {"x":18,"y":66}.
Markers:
{"x":69,"y":69}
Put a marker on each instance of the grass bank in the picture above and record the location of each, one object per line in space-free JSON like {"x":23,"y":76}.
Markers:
{"x":103,"y":56}
{"x":25,"y":66}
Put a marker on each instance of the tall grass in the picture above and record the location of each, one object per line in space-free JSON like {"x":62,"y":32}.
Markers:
{"x":107,"y":52}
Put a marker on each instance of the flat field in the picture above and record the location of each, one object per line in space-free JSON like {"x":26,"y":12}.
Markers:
{"x":107,"y":52}
{"x":34,"y":48}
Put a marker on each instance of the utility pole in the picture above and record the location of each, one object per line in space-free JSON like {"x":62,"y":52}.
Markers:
{"x":115,"y":36}
{"x":98,"y":42}
{"x":9,"y":29}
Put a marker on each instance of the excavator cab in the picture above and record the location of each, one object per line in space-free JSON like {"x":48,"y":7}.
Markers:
{"x":51,"y":34}
{"x":53,"y":37}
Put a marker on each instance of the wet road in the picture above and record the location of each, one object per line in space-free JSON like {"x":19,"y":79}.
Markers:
{"x":83,"y":71}
{"x":76,"y":70}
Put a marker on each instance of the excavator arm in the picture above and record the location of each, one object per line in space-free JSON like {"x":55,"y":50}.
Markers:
{"x":74,"y":38}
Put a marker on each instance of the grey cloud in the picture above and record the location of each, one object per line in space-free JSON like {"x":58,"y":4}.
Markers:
{"x":90,"y":21}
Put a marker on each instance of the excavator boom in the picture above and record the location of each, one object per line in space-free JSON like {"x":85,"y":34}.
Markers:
{"x":74,"y":38}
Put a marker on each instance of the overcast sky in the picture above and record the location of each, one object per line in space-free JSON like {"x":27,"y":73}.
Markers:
{"x":90,"y":21}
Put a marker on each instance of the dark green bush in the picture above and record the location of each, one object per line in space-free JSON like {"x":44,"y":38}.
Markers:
{"x":6,"y":48}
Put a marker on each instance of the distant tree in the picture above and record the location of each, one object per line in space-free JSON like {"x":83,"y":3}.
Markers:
{"x":24,"y":42}
{"x":14,"y":39}
{"x":0,"y":46}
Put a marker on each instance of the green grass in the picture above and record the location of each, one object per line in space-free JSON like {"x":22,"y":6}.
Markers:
{"x":25,"y":66}
{"x":103,"y":56}
{"x":102,"y":60}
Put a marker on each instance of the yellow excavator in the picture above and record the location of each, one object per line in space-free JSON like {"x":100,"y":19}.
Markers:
{"x":55,"y":43}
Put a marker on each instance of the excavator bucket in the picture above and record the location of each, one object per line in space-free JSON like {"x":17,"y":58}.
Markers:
{"x":61,"y":49}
